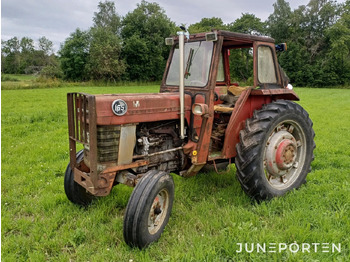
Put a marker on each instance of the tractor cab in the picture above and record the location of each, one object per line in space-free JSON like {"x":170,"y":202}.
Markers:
{"x":212,"y":63}
{"x":220,"y":53}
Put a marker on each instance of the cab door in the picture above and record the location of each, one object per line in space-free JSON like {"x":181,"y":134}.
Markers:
{"x":266,"y":71}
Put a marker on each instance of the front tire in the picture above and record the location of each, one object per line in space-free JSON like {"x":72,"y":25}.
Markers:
{"x":149,"y":209}
{"x":75,"y":192}
{"x":275,"y":151}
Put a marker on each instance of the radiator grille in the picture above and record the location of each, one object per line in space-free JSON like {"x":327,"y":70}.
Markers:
{"x":102,"y":140}
{"x":108,"y":143}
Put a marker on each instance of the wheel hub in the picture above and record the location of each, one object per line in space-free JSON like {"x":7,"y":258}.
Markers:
{"x":285,"y":154}
{"x":281,"y":153}
{"x":158,"y":211}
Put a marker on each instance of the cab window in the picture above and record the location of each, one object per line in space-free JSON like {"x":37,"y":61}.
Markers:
{"x":266,"y":66}
{"x":197,"y":60}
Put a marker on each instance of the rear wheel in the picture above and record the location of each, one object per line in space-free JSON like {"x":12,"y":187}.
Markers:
{"x":275,"y":151}
{"x":149,"y":209}
{"x":75,"y":192}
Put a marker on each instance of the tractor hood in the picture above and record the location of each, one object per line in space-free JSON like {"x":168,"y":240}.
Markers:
{"x":118,"y":109}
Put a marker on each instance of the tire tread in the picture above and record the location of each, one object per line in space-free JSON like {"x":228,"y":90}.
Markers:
{"x":249,"y":148}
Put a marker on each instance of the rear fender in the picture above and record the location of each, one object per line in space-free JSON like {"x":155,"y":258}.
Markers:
{"x":250,"y":100}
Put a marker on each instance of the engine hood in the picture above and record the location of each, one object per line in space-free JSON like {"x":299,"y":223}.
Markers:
{"x":139,"y":108}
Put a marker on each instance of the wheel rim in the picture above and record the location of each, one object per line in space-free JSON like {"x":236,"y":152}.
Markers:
{"x":284,"y":154}
{"x":158,"y":211}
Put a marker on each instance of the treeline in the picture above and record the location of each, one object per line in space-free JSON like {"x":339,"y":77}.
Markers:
{"x":21,"y":56}
{"x":318,"y":37}
{"x":132,"y":47}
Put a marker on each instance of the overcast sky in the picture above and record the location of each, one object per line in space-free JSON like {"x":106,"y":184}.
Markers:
{"x":56,"y":19}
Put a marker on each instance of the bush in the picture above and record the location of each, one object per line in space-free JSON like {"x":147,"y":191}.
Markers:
{"x":51,"y":71}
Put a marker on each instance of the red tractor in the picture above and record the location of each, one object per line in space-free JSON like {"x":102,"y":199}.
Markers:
{"x":198,"y":119}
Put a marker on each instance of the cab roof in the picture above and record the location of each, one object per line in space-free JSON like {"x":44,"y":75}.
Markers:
{"x":233,"y":39}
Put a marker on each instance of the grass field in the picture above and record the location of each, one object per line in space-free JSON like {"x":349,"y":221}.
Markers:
{"x":23,"y":82}
{"x":211,"y":214}
{"x":17,"y":78}
{"x":16,"y":82}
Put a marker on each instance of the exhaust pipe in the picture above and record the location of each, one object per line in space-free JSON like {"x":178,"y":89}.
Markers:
{"x":181,"y":35}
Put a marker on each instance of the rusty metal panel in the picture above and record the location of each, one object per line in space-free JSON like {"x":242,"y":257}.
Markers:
{"x":276,"y":93}
{"x":193,"y":170}
{"x":84,"y":180}
{"x":124,"y":167}
{"x":249,"y":101}
{"x":78,"y":116}
{"x":93,"y":140}
{"x":243,"y":110}
{"x":207,"y":124}
{"x":71,"y":128}
{"x":126,"y":144}
{"x":141,"y":108}
{"x":244,"y":37}
{"x":82,"y":129}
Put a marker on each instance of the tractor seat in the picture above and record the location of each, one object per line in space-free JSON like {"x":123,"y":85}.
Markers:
{"x":230,"y":99}
{"x":223,"y":108}
{"x":237,"y":90}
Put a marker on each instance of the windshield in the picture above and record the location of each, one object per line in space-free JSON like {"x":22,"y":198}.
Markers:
{"x":197,"y":60}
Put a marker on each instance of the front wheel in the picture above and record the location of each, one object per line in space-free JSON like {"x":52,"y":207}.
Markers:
{"x":275,"y":151}
{"x":149,"y":209}
{"x":75,"y":192}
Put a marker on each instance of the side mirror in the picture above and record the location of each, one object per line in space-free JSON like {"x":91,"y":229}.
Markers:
{"x":281,"y":47}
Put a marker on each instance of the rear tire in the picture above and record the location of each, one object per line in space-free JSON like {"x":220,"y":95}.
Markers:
{"x":275,"y":151}
{"x":149,"y":209}
{"x":75,"y":192}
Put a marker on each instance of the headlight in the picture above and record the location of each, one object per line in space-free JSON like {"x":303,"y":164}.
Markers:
{"x":197,"y":110}
{"x":200,"y":109}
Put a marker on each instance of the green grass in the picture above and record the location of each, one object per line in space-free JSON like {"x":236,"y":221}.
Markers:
{"x":16,"y":78}
{"x":24,"y":82}
{"x":211,"y":214}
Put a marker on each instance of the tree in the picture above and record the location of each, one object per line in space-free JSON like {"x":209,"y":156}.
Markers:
{"x":45,"y":56}
{"x":206,"y":25}
{"x":320,"y":15}
{"x":26,"y":45}
{"x":107,"y":17}
{"x":248,"y":24}
{"x":74,"y":55}
{"x":46,"y":46}
{"x":137,"y":56}
{"x":308,"y":60}
{"x":104,"y":56}
{"x":19,"y":56}
{"x":27,"y":53}
{"x":11,"y":55}
{"x":338,"y":36}
{"x":279,"y":22}
{"x":143,"y":35}
{"x":104,"y":61}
